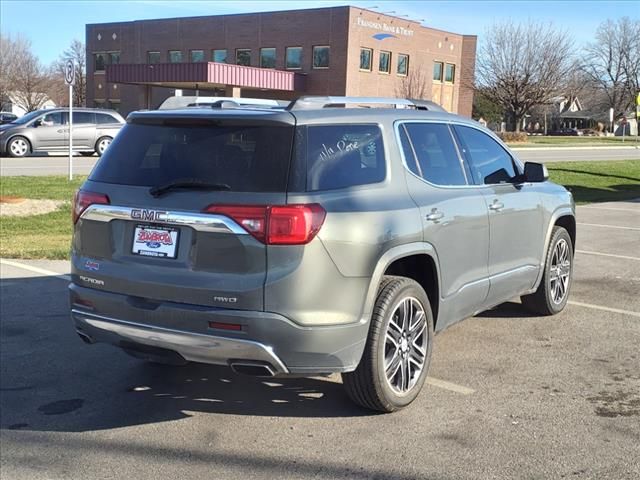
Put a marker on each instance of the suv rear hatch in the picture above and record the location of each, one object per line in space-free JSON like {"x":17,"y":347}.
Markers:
{"x":175,"y":209}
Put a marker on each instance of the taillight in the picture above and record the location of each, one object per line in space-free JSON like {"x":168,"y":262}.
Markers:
{"x":83,"y":199}
{"x":276,"y":224}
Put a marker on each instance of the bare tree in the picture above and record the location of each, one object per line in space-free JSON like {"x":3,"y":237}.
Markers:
{"x":612,"y":62}
{"x":75,"y":52}
{"x":523,"y":65}
{"x":414,"y":85}
{"x":11,"y":50}
{"x":22,"y":76}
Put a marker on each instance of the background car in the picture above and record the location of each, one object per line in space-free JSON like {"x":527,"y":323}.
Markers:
{"x":7,"y":117}
{"x":48,"y":131}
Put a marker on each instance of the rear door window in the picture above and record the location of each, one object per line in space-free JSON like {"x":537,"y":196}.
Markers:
{"x":431,"y":154}
{"x":104,"y":118}
{"x":488,"y":161}
{"x":83,"y":118}
{"x":246,"y":158}
{"x":340,"y":156}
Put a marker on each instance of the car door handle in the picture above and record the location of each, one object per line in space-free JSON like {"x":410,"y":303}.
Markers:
{"x":496,"y":206}
{"x":434,"y":216}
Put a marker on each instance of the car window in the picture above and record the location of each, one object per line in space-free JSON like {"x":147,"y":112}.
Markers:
{"x":488,"y":161}
{"x":340,"y":156}
{"x":246,"y":158}
{"x":51,"y":119}
{"x":432,"y":155}
{"x":83,"y":118}
{"x":104,"y":118}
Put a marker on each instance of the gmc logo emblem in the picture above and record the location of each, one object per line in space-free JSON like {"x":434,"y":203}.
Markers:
{"x":147,"y":215}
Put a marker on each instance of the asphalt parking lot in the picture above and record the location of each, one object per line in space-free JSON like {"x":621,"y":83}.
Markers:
{"x":510,"y":395}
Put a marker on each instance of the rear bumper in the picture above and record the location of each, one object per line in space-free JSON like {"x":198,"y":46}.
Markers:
{"x":265,"y":339}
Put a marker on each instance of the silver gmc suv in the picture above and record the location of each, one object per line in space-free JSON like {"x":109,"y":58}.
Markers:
{"x":309,"y":240}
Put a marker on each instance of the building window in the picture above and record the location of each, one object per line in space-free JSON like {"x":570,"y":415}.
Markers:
{"x":114,"y":105}
{"x":365,"y":59}
{"x":197,"y":56}
{"x":437,"y":71}
{"x":99,"y":104}
{"x":384,"y":64}
{"x":175,"y":56}
{"x":243,"y":57}
{"x":320,"y":57}
{"x":450,"y":73}
{"x":153,"y":57}
{"x":101,"y":60}
{"x":268,"y":57}
{"x":403,"y":64}
{"x":293,"y":58}
{"x":219,"y":56}
{"x":114,"y":58}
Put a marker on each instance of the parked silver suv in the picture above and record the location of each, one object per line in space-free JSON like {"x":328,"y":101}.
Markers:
{"x":312,"y":240}
{"x":48,"y":131}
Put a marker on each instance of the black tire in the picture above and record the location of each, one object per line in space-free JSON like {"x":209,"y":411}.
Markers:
{"x":98,"y":148}
{"x":87,"y":154}
{"x":368,"y":385}
{"x":543,"y":301}
{"x":11,"y":147}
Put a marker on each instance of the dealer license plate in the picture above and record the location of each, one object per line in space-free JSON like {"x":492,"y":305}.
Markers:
{"x":155,"y":241}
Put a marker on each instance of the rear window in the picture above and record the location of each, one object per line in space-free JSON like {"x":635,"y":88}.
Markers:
{"x":247,"y":158}
{"x":329,"y":157}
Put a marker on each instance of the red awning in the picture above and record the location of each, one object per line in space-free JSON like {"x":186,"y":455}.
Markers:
{"x":211,"y":74}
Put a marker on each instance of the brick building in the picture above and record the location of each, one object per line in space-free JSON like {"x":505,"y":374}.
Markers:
{"x":325,"y":51}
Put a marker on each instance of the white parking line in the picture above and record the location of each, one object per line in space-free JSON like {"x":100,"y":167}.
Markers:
{"x":608,"y":226}
{"x":30,"y":268}
{"x":606,"y":309}
{"x":449,"y":386}
{"x":625,"y":257}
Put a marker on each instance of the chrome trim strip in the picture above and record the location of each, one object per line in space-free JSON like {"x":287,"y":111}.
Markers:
{"x":196,"y":347}
{"x":203,"y":222}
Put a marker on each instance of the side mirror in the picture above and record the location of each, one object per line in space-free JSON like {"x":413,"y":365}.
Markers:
{"x":535,"y":172}
{"x":37,"y":123}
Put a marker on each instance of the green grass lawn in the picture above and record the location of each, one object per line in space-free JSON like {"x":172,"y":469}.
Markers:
{"x":48,"y":235}
{"x":38,"y":236}
{"x":542,"y":141}
{"x":598,"y":181}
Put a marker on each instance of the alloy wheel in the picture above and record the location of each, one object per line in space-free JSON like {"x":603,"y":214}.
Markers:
{"x":560,"y":271}
{"x":405,"y":348}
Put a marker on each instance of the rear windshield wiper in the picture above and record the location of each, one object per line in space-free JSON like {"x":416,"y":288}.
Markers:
{"x":188,"y":183}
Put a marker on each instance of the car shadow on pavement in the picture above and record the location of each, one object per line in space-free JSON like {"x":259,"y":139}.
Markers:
{"x":51,"y":381}
{"x":507,"y":310}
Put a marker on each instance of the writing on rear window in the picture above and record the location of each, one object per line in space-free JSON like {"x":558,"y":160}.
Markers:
{"x":340,"y":156}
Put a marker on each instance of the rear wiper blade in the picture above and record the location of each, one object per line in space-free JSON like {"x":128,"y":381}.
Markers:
{"x":188,"y":183}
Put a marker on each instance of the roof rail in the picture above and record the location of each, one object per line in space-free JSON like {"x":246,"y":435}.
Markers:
{"x":310,"y":102}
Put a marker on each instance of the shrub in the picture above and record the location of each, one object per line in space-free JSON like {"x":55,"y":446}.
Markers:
{"x":512,"y":137}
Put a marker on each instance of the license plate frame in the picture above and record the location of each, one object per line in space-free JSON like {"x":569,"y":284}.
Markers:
{"x":156,"y":241}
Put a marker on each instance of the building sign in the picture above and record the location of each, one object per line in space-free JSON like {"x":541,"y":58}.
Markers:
{"x":387,"y":31}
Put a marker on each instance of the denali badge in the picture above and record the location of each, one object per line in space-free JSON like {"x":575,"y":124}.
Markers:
{"x":91,"y":280}
{"x":148,"y":215}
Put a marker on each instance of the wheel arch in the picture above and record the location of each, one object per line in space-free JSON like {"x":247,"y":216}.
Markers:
{"x":563,"y":217}
{"x":417,"y":261}
{"x":568,"y":222}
